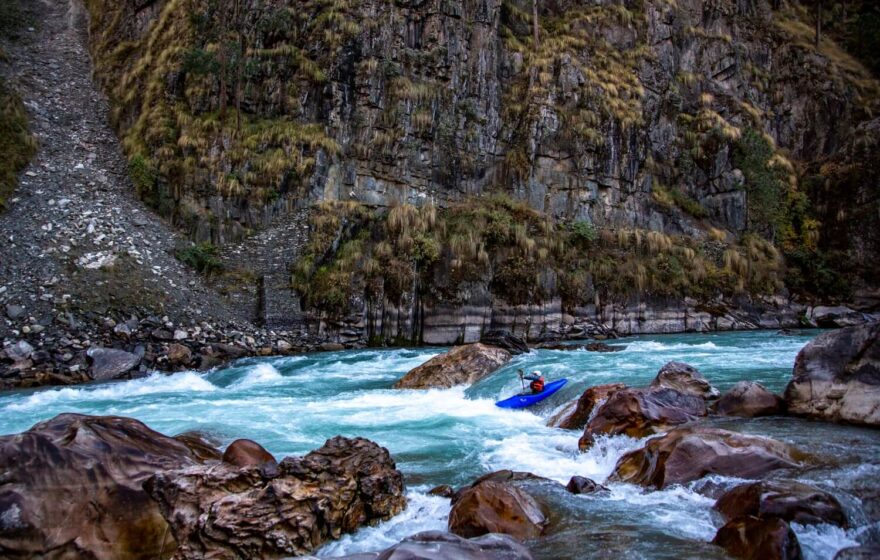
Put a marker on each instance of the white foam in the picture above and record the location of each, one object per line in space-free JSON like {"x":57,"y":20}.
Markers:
{"x":653,"y":346}
{"x":183,"y":382}
{"x":677,"y":511}
{"x":819,"y":542}
{"x":260,"y":374}
{"x":423,"y":513}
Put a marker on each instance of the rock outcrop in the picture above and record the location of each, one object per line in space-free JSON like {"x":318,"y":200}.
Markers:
{"x":748,"y":399}
{"x":837,"y":377}
{"x":72,"y":488}
{"x":640,"y":412}
{"x":461,"y":365}
{"x":496,"y":507}
{"x":221,"y":510}
{"x":788,"y":500}
{"x":574,"y":415}
{"x":684,"y":378}
{"x":686,"y":454}
{"x":437,"y":545}
{"x":751,"y":538}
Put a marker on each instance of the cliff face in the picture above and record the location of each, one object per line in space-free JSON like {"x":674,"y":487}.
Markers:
{"x":661,"y":115}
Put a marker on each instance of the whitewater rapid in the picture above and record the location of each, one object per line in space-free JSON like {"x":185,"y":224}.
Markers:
{"x":291,"y":405}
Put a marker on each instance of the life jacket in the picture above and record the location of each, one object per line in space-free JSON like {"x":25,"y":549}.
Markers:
{"x":537,"y":385}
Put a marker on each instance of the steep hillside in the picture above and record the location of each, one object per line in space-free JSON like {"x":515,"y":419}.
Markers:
{"x":656,"y":148}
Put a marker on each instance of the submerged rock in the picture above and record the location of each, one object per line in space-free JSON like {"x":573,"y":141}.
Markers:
{"x":224,"y":511}
{"x":639,"y":412}
{"x":72,"y":487}
{"x":837,"y":377}
{"x":437,"y":545}
{"x":575,"y":414}
{"x":110,"y":363}
{"x":686,"y":454}
{"x":496,"y":507}
{"x":684,"y":378}
{"x":788,"y":500}
{"x":749,"y":399}
{"x":460,"y":365}
{"x":751,"y":538}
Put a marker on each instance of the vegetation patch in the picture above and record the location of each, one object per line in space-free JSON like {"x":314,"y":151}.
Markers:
{"x":16,"y":143}
{"x":203,"y":257}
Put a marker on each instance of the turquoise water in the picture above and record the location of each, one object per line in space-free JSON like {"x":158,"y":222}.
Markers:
{"x":291,"y":405}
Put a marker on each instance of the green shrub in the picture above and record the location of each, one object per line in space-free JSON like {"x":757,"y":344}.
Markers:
{"x":203,"y":257}
{"x":17,"y":146}
{"x":584,"y":231}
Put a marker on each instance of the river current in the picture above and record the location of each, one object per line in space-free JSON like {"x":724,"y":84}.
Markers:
{"x":291,"y":405}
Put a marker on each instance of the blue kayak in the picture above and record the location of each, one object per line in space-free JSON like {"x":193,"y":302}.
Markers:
{"x":528,"y":399}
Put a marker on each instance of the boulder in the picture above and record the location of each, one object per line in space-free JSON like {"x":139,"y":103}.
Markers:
{"x":751,"y":538}
{"x":224,"y":511}
{"x":444,"y":491}
{"x":19,"y":351}
{"x":503,"y":339}
{"x":72,"y":488}
{"x":247,"y":453}
{"x":179,"y":355}
{"x":686,"y":454}
{"x":749,"y":399}
{"x":575,"y":415}
{"x":110,"y":363}
{"x":836,"y":317}
{"x":787,"y":500}
{"x":836,"y":377}
{"x":437,"y":545}
{"x":461,"y":365}
{"x":15,"y":312}
{"x":684,"y":378}
{"x":496,"y":507}
{"x":639,"y":413}
{"x":583,"y":485}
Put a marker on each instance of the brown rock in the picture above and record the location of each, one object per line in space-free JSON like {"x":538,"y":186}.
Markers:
{"x":787,"y":500}
{"x":751,"y":538}
{"x":73,"y":486}
{"x":640,"y":412}
{"x":444,"y":491}
{"x":247,"y":453}
{"x":684,"y":378}
{"x":201,"y":445}
{"x":179,"y":355}
{"x":686,"y":454}
{"x":223,"y":511}
{"x":749,"y":399}
{"x":461,"y":365}
{"x":837,"y":377}
{"x":583,"y":485}
{"x":437,"y":545}
{"x":496,"y":507}
{"x":575,"y":415}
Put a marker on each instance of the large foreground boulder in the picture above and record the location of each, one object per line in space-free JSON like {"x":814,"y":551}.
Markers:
{"x":496,"y":507}
{"x":749,"y":399}
{"x":575,"y":414}
{"x":71,"y":487}
{"x":462,"y":365}
{"x":269,"y":511}
{"x":437,"y":545}
{"x":837,"y":377}
{"x":686,"y":454}
{"x":641,"y":412}
{"x":751,"y":538}
{"x":684,"y":378}
{"x":785,"y":499}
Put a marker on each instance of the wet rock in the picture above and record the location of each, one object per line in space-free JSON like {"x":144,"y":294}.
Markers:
{"x":583,"y":485}
{"x":863,"y":552}
{"x":686,"y":454}
{"x":179,"y":355}
{"x":203,"y":447}
{"x":575,"y":415}
{"x":437,"y":545}
{"x":224,"y":511}
{"x":496,"y":507}
{"x":751,"y":538}
{"x":792,"y":501}
{"x":110,"y":363}
{"x":749,"y":399}
{"x":460,"y":365}
{"x":837,"y":377}
{"x":602,"y":347}
{"x":685,"y":379}
{"x":639,"y":413}
{"x":444,"y":491}
{"x":247,"y":453}
{"x":73,"y":485}
{"x":503,"y":339}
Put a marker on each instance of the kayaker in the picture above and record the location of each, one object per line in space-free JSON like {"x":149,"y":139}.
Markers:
{"x":536,"y":381}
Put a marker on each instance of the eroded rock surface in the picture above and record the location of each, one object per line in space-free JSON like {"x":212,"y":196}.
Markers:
{"x":749,"y":399}
{"x":461,"y":365}
{"x":751,"y":538}
{"x":785,"y":499}
{"x":684,"y":378}
{"x":576,"y":413}
{"x":496,"y":507}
